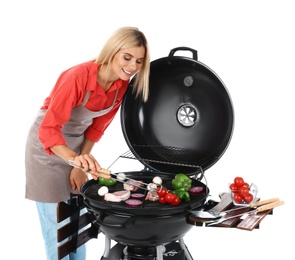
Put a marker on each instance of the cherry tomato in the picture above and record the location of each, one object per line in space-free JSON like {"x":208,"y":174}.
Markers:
{"x":162,"y":191}
{"x":246,"y":185}
{"x":169,"y":197}
{"x":243,"y":191}
{"x":239,"y":181}
{"x":162,"y":200}
{"x":237,"y":198}
{"x":233,"y":187}
{"x":248,"y":198}
{"x":176,"y":201}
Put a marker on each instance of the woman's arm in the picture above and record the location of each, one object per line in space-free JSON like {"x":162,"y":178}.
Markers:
{"x":85,"y":160}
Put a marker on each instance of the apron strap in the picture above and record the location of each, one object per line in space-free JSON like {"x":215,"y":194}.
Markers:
{"x":86,"y":98}
{"x":103,"y":111}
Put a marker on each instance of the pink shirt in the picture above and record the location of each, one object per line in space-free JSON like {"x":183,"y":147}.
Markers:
{"x":69,"y":92}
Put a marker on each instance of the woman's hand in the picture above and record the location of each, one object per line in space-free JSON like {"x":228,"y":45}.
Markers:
{"x":77,"y":178}
{"x":89,"y":164}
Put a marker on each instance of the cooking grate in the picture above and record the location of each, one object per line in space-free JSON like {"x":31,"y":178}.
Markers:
{"x":168,"y":155}
{"x":163,"y":154}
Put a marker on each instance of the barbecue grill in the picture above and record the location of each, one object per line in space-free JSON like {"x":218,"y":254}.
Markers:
{"x":184,"y":127}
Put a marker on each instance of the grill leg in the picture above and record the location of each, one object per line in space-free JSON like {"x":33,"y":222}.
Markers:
{"x":160,"y":250}
{"x":186,"y":252}
{"x":107,"y":247}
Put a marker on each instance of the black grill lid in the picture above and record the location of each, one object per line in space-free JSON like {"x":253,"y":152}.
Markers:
{"x":187,"y":122}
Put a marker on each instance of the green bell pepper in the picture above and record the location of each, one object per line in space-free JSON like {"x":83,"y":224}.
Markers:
{"x":181,"y":181}
{"x":181,"y":184}
{"x":106,"y":182}
{"x":182,"y":194}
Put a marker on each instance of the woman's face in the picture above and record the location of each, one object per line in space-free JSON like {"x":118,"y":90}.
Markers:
{"x":127,"y":62}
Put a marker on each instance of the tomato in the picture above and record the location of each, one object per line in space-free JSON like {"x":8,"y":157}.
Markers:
{"x":162,"y":191}
{"x":246,"y":185}
{"x":162,"y":200}
{"x":169,"y":197}
{"x":233,"y":187}
{"x":243,"y":191}
{"x":239,"y":181}
{"x":237,"y":198}
{"x":248,"y":198}
{"x":176,"y":201}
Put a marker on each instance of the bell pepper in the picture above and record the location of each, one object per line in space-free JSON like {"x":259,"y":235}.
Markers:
{"x":181,"y":181}
{"x":181,"y":184}
{"x":106,"y":182}
{"x":182,"y":194}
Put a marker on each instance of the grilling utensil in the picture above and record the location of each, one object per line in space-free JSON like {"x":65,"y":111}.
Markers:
{"x":255,"y":211}
{"x":135,"y":183}
{"x":213,"y":214}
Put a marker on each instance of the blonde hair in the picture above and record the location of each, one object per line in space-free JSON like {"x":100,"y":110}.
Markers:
{"x":128,"y":37}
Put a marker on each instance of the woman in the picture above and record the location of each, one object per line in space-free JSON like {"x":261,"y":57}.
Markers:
{"x":82,"y":104}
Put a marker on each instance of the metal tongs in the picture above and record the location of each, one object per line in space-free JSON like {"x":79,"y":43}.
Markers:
{"x":213,"y":214}
{"x":135,"y":183}
{"x":251,"y":212}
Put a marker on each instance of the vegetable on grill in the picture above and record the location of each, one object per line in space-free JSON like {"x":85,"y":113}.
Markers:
{"x":196,"y":190}
{"x":182,"y":194}
{"x":166,"y":196}
{"x":103,"y":190}
{"x":106,"y":182}
{"x":181,"y":185}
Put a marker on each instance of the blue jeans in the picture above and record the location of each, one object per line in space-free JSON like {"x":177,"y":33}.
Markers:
{"x":49,"y":226}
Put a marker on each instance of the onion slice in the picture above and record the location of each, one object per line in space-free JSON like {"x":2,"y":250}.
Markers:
{"x":137,"y":195}
{"x":196,"y":190}
{"x":133,"y":202}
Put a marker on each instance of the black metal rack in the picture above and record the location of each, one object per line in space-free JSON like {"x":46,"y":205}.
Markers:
{"x":164,"y":155}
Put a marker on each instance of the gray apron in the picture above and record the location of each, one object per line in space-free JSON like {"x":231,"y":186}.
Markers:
{"x":48,"y":176}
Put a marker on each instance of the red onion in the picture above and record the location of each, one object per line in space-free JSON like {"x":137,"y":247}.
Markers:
{"x":137,"y":195}
{"x":133,"y":202}
{"x":196,"y":190}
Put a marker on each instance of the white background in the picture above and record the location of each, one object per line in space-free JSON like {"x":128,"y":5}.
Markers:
{"x":249,"y":44}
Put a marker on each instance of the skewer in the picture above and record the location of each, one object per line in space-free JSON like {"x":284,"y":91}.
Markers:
{"x":149,"y":186}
